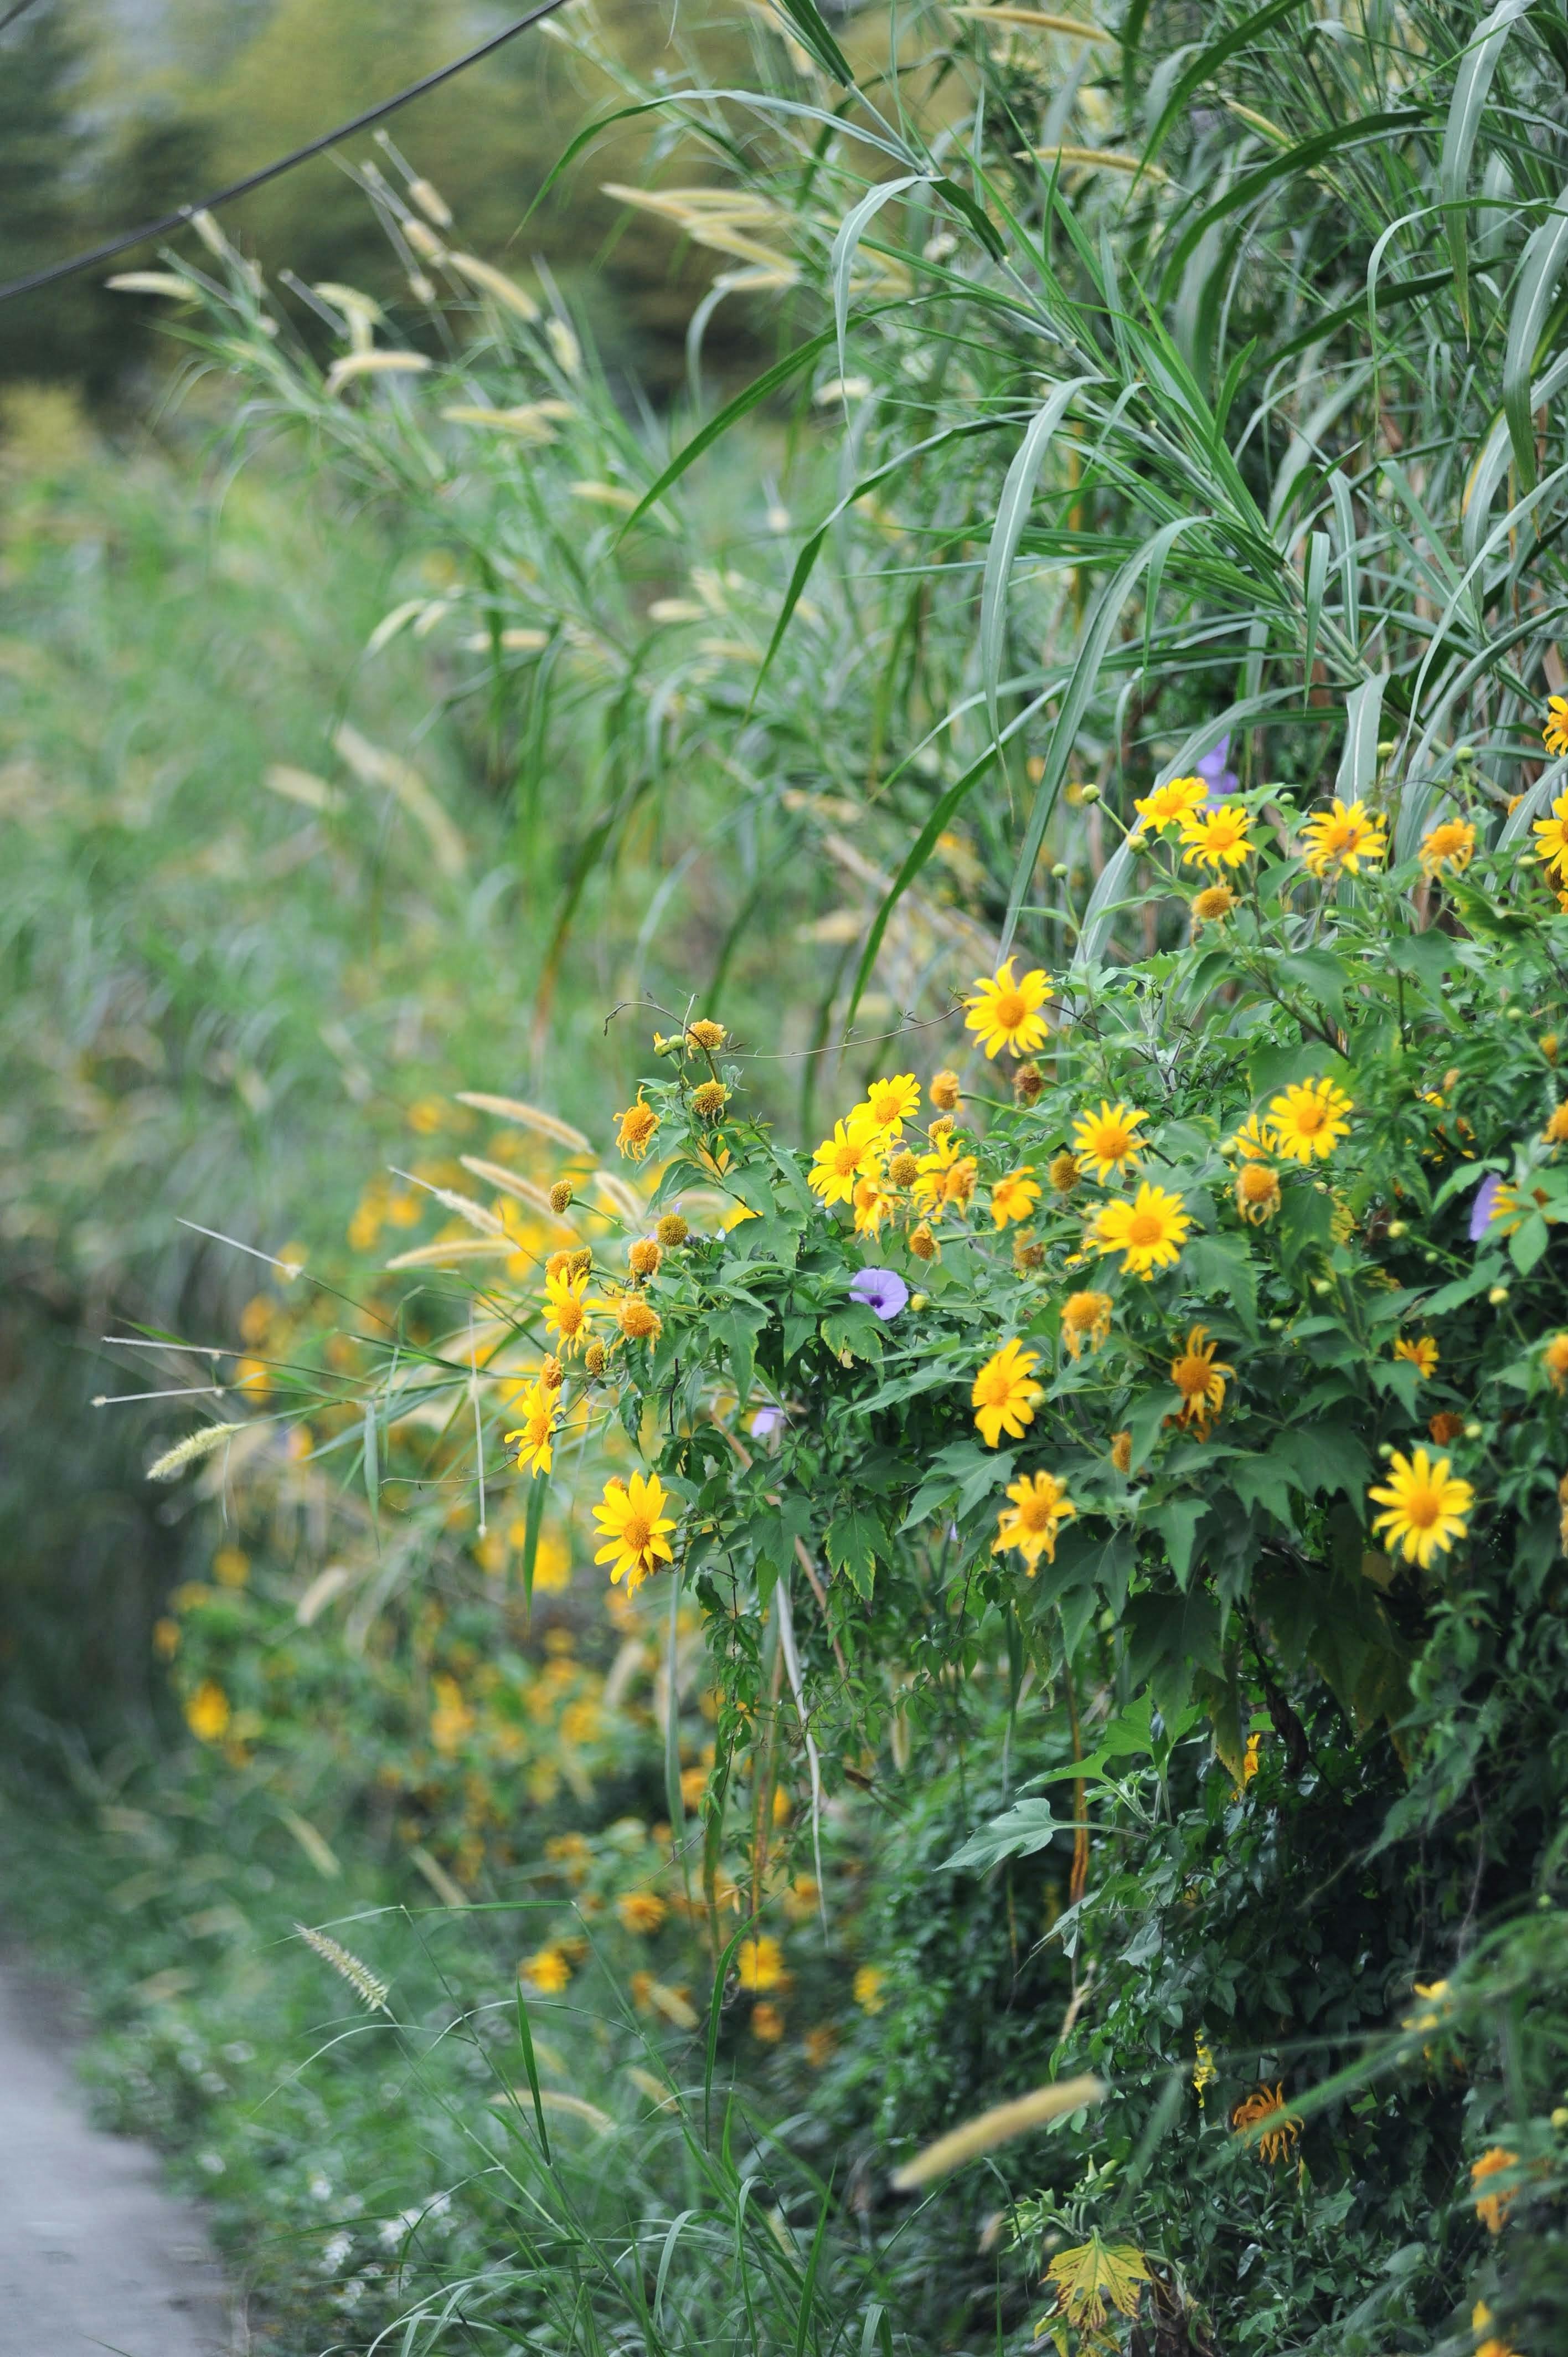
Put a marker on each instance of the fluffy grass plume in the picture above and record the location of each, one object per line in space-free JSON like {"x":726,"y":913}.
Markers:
{"x":360,"y":1977}
{"x":999,"y":2125}
{"x":191,"y":1450}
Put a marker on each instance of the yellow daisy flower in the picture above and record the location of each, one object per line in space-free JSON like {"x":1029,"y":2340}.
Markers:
{"x":1200,"y":1379}
{"x":1040,"y":1507}
{"x":867,"y":1988}
{"x":1213,"y":905}
{"x":1423,"y":1354}
{"x":547,"y":1970}
{"x":1551,"y":839}
{"x":1342,"y":837}
{"x":760,"y":1966}
{"x":944,"y":1176}
{"x":207,"y":1713}
{"x":534,"y":1436}
{"x":566,"y":1310}
{"x":1555,"y":733}
{"x":1006,"y":1014}
{"x":633,"y":1525}
{"x":887,"y":1105}
{"x":1217,"y":838}
{"x":1309,"y":1119}
{"x":1107,"y":1143}
{"x":1004,"y":1393}
{"x":1488,"y":2343}
{"x":1492,"y":2208}
{"x":1170,"y":803}
{"x":850,"y":1154}
{"x":1086,"y":1318}
{"x":1150,"y":1230}
{"x":1450,"y":846}
{"x":1425,"y":1507}
{"x":1015,"y":1196}
{"x":1555,"y":1359}
{"x":1252,"y":1140}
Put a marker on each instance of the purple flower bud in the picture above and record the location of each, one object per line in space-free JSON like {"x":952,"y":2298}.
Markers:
{"x":881,"y":1289}
{"x":766,"y":1422}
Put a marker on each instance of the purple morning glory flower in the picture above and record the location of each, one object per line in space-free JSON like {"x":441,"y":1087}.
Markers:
{"x":881,"y":1289}
{"x":766,"y":1422}
{"x":1481,"y":1209}
{"x":1212,"y":769}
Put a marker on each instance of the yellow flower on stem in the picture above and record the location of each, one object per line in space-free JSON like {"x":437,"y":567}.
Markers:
{"x":1556,"y":1130}
{"x":547,"y":1970}
{"x":534,"y":1436}
{"x":566,"y":1310}
{"x":1040,"y":1506}
{"x":1150,"y":1230}
{"x":1450,"y":846}
{"x":1492,"y":2208}
{"x":637,"y":1125}
{"x":1309,"y":1119}
{"x":1217,"y":838}
{"x":850,"y":1154}
{"x":1258,"y":1194}
{"x":1423,"y":1354}
{"x":887,"y":1105}
{"x":1015,"y":1196}
{"x":1252,"y":1139}
{"x":207,"y":1713}
{"x":1555,"y":1359}
{"x":944,"y":1177}
{"x":633,"y":1525}
{"x":1107,"y":1143}
{"x":1200,"y":1379}
{"x":1004,"y":1393}
{"x":1170,"y":803}
{"x":871,"y":1204}
{"x":1342,"y":837}
{"x":760,"y":1964}
{"x":1425,"y":1507}
{"x":1551,"y":839}
{"x":845,"y":1158}
{"x":1006,"y":1014}
{"x":1486,"y":2341}
{"x":1555,"y":733}
{"x":1086,"y":1318}
{"x":642,"y":1910}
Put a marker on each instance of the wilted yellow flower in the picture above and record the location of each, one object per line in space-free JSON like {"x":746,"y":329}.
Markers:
{"x":638,"y":1319}
{"x":1004,"y":1013}
{"x":1200,"y":1379}
{"x":1121,"y":1451}
{"x":1281,"y":2141}
{"x":1086,"y":1318}
{"x":1213,"y":905}
{"x":1258,"y":1196}
{"x":945,"y":1178}
{"x":637,"y":1126}
{"x":871,"y":1204}
{"x":945,"y":1093}
{"x":1004,"y":1393}
{"x":1063,"y":1172}
{"x":709,"y":1099}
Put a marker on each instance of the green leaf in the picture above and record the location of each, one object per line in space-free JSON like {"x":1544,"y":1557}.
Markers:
{"x":1427,"y":956}
{"x":1012,"y":514}
{"x":1528,"y":1243}
{"x":1305,"y":1224}
{"x":1223,"y":1265}
{"x":846,"y":244}
{"x":744,"y":403}
{"x":1539,"y":269}
{"x":856,"y":1541}
{"x":1026,"y":1827}
{"x":1321,"y":974}
{"x":856,"y":1330}
{"x":1176,"y":1522}
{"x":1363,"y":716}
{"x":1262,"y":1481}
{"x":810,"y":24}
{"x":1324,"y":1456}
{"x":737,"y":1330}
{"x":1471,"y":85}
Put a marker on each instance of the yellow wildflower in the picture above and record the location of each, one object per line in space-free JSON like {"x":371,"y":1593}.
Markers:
{"x":1555,"y":1359}
{"x":767,"y":2023}
{"x":1281,"y":2141}
{"x":1216,"y":838}
{"x":1450,"y":846}
{"x":1006,"y":1014}
{"x":760,"y":1964}
{"x":641,"y":1912}
{"x":637,"y":1125}
{"x":566,"y":1310}
{"x":534,"y":1436}
{"x":1213,"y":905}
{"x":1005,"y":1394}
{"x":1107,"y":1143}
{"x":1200,"y":1379}
{"x":1423,"y":1354}
{"x":207,"y":1713}
{"x":1015,"y":1196}
{"x":1555,"y":733}
{"x":1040,"y":1507}
{"x":867,"y":1986}
{"x":1258,"y":1194}
{"x":635,"y":1527}
{"x":873,"y":1204}
{"x":1309,"y":1119}
{"x":1425,"y":1507}
{"x":850,"y":1154}
{"x":1492,"y":2208}
{"x":1150,"y":1230}
{"x":1342,"y":837}
{"x":887,"y":1105}
{"x":1086,"y":1318}
{"x":1170,"y":803}
{"x":547,"y":1970}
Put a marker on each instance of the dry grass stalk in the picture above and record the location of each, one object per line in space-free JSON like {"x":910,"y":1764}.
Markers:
{"x":999,"y":2125}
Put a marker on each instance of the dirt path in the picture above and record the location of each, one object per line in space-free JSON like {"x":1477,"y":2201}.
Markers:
{"x":94,"y":2255}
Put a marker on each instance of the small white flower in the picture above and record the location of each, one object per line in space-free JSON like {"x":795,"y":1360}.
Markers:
{"x":212,"y":2162}
{"x":320,"y":2188}
{"x":334,"y":2252}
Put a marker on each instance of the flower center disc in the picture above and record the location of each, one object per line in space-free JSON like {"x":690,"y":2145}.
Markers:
{"x":1010,"y":1010}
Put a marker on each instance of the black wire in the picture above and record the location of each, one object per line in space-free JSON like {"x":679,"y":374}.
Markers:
{"x":177,"y":220}
{"x":11,"y":15}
